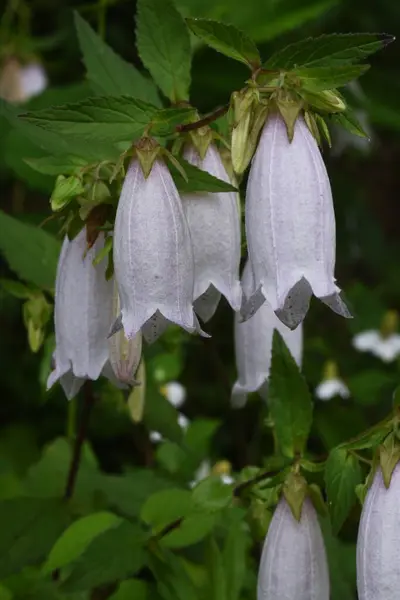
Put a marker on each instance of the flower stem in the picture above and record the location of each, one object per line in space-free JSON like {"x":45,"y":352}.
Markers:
{"x":219,"y":112}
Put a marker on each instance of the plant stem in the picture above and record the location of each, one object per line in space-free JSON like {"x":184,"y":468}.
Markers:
{"x":219,"y":112}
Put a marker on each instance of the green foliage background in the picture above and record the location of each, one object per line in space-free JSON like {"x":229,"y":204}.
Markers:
{"x":121,"y":469}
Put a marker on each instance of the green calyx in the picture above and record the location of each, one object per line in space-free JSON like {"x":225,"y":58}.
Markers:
{"x":389,"y":456}
{"x":201,"y":139}
{"x":147,"y":151}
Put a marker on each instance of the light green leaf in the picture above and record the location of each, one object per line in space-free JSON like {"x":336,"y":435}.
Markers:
{"x":217,"y":588}
{"x":31,"y":252}
{"x":328,"y":50}
{"x":109,"y":73}
{"x":226,"y":39}
{"x":349,"y":121}
{"x":56,"y":165}
{"x":162,"y":508}
{"x":198,"y":180}
{"x":211,"y":494}
{"x":74,"y":541}
{"x":17,"y":289}
{"x":103,"y":118}
{"x":131,"y":589}
{"x":29,"y":527}
{"x":235,"y":558}
{"x":65,"y":189}
{"x":316,"y":79}
{"x":289,"y":400}
{"x":342,"y":475}
{"x":5,"y":594}
{"x":191,"y":530}
{"x":114,"y":554}
{"x":164,"y":46}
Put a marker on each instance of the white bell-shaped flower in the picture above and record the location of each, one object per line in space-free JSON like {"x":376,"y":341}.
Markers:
{"x":214,"y":223}
{"x":82,"y":311}
{"x":33,"y":80}
{"x":253,"y":345}
{"x":331,"y":385}
{"x":293,"y":563}
{"x":290,"y":223}
{"x":153,"y":256}
{"x":378,"y":544}
{"x":174,"y":392}
{"x":124,"y":354}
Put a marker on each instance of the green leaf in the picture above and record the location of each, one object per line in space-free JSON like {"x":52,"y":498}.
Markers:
{"x":159,"y":414}
{"x":367,"y":386}
{"x":31,"y":252}
{"x":162,"y":508}
{"x":5,"y":593}
{"x":342,"y":475}
{"x":328,"y":50}
{"x":371,"y":438}
{"x":192,"y":529}
{"x":235,"y":558}
{"x":349,"y":121}
{"x":109,"y":73}
{"x":65,"y":189}
{"x":29,"y":527}
{"x":74,"y":540}
{"x":131,"y":589}
{"x":114,"y":554}
{"x":317,"y":79}
{"x":198,"y":180}
{"x":211,"y":494}
{"x":164,"y":46}
{"x":217,"y":588}
{"x":103,"y":118}
{"x":289,"y":400}
{"x":56,"y":165}
{"x":166,"y":120}
{"x":226,"y":39}
{"x":17,"y":289}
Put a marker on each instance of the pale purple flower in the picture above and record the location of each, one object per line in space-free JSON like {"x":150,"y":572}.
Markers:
{"x":82,"y":311}
{"x":33,"y":80}
{"x":253,"y":346}
{"x":214,"y":223}
{"x":290,"y":223}
{"x":153,"y":256}
{"x":378,"y":544}
{"x":293,"y":563}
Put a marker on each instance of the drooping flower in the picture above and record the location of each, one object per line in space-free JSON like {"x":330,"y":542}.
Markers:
{"x":153,"y":256}
{"x":82,"y":311}
{"x":214,"y":223}
{"x":383,"y":343}
{"x":19,"y":83}
{"x":290,"y":223}
{"x":378,"y":544}
{"x":253,"y":345}
{"x":293,"y":563}
{"x":331,"y":385}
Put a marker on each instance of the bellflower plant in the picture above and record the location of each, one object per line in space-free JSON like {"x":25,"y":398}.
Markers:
{"x":290,"y":223}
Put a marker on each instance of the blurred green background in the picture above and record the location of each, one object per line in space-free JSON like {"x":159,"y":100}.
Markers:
{"x":365,"y":179}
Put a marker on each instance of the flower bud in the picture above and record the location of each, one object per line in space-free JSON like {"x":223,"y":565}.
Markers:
{"x":153,"y":256}
{"x":293,"y":563}
{"x":81,"y":314}
{"x":253,"y":346}
{"x":290,"y":223}
{"x":378,"y":544}
{"x":214,"y":224}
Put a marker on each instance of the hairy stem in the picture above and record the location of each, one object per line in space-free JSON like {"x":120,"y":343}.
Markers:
{"x":219,"y":112}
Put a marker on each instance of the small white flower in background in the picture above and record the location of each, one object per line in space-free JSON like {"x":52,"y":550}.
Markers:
{"x":222,"y":469}
{"x":293,"y":564}
{"x":20,"y":83}
{"x":174,"y":393}
{"x":183,"y":422}
{"x":331,"y":385}
{"x":82,"y":309}
{"x":290,"y":223}
{"x":383,"y":343}
{"x":153,"y":256}
{"x":253,"y":346}
{"x":214,"y":223}
{"x":378,"y":544}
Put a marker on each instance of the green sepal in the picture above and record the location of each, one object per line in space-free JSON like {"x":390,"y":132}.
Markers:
{"x":389,"y":456}
{"x":65,"y":189}
{"x":323,"y":128}
{"x":289,"y":107}
{"x":201,"y":139}
{"x":295,"y":490}
{"x":316,"y":497}
{"x":326,"y":100}
{"x":312,"y":126}
{"x":103,"y":253}
{"x":147,"y":151}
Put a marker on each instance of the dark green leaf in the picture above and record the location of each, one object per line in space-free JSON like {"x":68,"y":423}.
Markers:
{"x":328,"y":50}
{"x":162,"y":508}
{"x":367,"y":386}
{"x":114,"y":554}
{"x":109,"y":119}
{"x":226,"y":39}
{"x":317,"y":79}
{"x":31,"y":252}
{"x":342,"y":475}
{"x":132,"y":589}
{"x":198,"y":180}
{"x":217,"y":588}
{"x":29,"y":527}
{"x":108,"y":72}
{"x":192,"y":529}
{"x":211,"y":494}
{"x":235,"y":558}
{"x":289,"y":400}
{"x":349,"y":121}
{"x":164,"y":46}
{"x":166,"y":120}
{"x":55,"y":165}
{"x":159,"y":414}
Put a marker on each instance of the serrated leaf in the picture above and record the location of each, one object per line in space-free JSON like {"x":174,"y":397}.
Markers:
{"x":198,"y":180}
{"x":289,"y":400}
{"x":349,"y":121}
{"x":164,"y":46}
{"x":114,"y":554}
{"x":103,"y":118}
{"x":370,"y":438}
{"x":55,"y":165}
{"x":226,"y":39}
{"x":31,"y":252}
{"x":29,"y":527}
{"x":164,"y":507}
{"x":342,"y":475}
{"x":211,"y":494}
{"x":329,"y":49}
{"x":165,"y":121}
{"x":108,"y":72}
{"x":317,"y":79}
{"x":74,"y":540}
